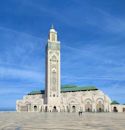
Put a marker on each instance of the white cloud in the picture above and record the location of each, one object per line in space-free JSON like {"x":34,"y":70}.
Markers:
{"x":20,"y":74}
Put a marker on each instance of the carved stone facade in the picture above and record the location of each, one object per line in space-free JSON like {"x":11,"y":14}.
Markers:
{"x":55,"y":99}
{"x":88,"y":101}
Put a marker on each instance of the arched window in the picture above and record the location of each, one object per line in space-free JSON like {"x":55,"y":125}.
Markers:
{"x":54,"y":77}
{"x":53,"y":37}
{"x":54,"y":58}
{"x":54,"y":80}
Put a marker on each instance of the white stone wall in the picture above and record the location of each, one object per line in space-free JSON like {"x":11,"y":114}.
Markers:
{"x":69,"y":102}
{"x":80,"y":100}
{"x":31,"y":103}
{"x":118,"y":107}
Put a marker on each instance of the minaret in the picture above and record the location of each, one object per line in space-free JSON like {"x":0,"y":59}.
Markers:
{"x":52,"y":92}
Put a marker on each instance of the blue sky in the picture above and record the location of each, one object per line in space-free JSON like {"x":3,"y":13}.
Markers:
{"x":92,"y":35}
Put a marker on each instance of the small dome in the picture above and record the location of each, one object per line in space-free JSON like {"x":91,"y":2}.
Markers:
{"x":52,"y":29}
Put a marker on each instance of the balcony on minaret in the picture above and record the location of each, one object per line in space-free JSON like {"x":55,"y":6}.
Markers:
{"x":52,"y":35}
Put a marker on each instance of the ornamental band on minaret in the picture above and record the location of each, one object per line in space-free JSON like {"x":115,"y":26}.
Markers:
{"x":69,"y":98}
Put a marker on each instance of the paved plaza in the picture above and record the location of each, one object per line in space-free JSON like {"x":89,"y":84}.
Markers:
{"x":61,"y":121}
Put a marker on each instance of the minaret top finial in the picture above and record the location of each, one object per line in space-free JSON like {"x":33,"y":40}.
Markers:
{"x":52,"y":34}
{"x":52,"y":26}
{"x":52,"y":29}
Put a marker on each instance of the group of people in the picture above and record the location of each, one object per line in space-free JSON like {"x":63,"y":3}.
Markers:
{"x":80,"y":113}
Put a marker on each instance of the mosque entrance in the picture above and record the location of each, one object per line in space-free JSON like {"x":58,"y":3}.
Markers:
{"x":100,"y":107}
{"x":115,"y":109}
{"x":54,"y":109}
{"x":35,"y":108}
{"x":100,"y":110}
{"x":88,"y":107}
{"x":123,"y":109}
{"x":73,"y":105}
{"x":73,"y":108}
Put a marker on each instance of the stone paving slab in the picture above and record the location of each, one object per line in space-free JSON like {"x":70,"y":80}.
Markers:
{"x":61,"y":121}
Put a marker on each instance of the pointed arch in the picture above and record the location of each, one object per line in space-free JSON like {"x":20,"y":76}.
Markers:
{"x":100,"y":105}
{"x":54,"y":58}
{"x":72,"y":100}
{"x":88,"y":105}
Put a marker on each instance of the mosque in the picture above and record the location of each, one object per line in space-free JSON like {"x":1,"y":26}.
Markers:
{"x":68,"y":98}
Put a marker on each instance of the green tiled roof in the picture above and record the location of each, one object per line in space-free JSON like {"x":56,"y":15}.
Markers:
{"x":67,"y":88}
{"x":114,"y":102}
{"x":73,"y":88}
{"x":36,"y":92}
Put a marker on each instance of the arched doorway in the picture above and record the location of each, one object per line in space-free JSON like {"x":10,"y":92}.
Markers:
{"x":54,"y":109}
{"x":73,"y":108}
{"x":73,"y":104}
{"x":35,"y":108}
{"x":115,"y":109}
{"x":100,"y":106}
{"x":46,"y":109}
{"x":88,"y":107}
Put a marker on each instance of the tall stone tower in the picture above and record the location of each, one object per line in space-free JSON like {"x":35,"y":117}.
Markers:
{"x":52,"y":92}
